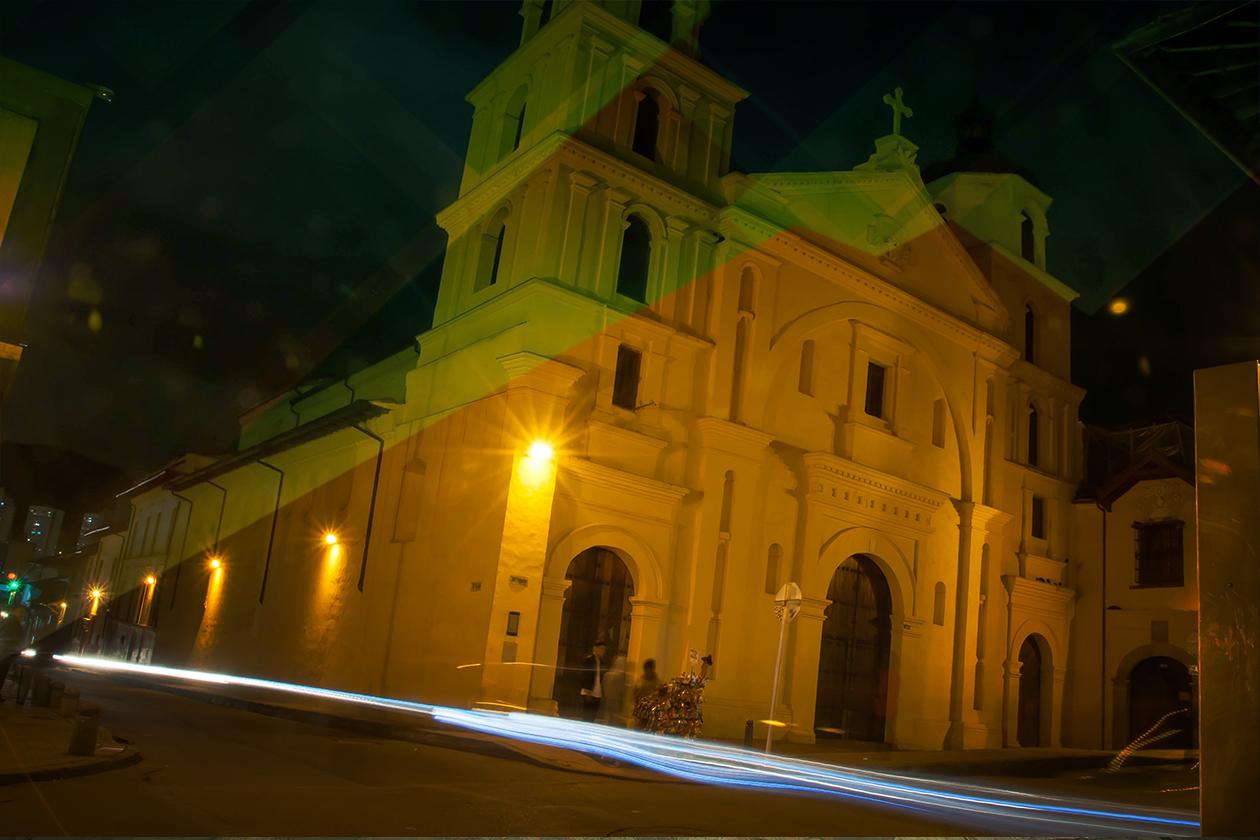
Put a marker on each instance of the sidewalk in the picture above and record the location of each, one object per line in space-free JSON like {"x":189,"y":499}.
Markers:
{"x":33,"y":744}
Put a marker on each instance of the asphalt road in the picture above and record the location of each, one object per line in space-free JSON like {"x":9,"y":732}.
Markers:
{"x":212,"y":770}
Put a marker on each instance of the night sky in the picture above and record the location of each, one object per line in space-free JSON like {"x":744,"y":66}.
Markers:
{"x":256,"y":206}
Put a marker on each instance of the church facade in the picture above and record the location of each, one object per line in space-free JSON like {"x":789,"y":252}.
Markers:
{"x":655,"y":390}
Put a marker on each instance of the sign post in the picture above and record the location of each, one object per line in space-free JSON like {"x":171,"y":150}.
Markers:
{"x":787,"y":603}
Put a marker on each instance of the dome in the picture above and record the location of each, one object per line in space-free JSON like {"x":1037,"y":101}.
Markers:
{"x":975,"y":151}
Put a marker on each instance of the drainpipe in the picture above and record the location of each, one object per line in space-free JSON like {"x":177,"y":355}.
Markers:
{"x":1102,"y":685}
{"x":183,"y":543}
{"x":376,"y":480}
{"x":218,"y":528}
{"x":271,"y":538}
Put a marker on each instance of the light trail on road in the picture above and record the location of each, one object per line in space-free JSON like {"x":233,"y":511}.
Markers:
{"x":1003,"y":811}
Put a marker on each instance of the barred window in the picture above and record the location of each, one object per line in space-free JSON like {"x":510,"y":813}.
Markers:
{"x":1158,"y":557}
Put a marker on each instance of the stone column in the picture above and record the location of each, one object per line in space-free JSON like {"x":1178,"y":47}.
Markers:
{"x":547,"y":640}
{"x":1227,"y":500}
{"x":1010,"y":703}
{"x":1053,"y":728}
{"x":966,"y":600}
{"x":609,"y":249}
{"x":647,"y":631}
{"x":802,"y":661}
{"x":673,"y":290}
{"x":531,"y":12}
{"x":580,"y":186}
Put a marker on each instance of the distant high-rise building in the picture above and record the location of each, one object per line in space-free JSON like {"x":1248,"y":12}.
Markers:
{"x":91,"y":522}
{"x":43,"y":529}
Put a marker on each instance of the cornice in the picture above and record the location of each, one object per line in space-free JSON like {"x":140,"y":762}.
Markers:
{"x":989,"y":519}
{"x":1031,"y":594}
{"x":629,"y":435}
{"x":1027,"y":373}
{"x":735,"y":438}
{"x":579,"y":152}
{"x":1054,"y":284}
{"x":525,"y":368}
{"x":841,"y":483}
{"x":828,"y":265}
{"x":620,"y":481}
{"x":463,"y":211}
{"x":805,"y":183}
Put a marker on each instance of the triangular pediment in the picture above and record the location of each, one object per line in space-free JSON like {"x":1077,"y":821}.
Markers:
{"x":883,"y":222}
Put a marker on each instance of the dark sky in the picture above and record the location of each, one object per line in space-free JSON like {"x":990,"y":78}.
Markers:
{"x":257,"y":202}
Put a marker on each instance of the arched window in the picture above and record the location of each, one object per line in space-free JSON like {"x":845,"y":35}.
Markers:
{"x":1032,"y":436}
{"x":1027,"y":241}
{"x":513,"y":122}
{"x":636,"y":258}
{"x":1030,"y":335}
{"x":490,"y":254}
{"x":647,"y":123}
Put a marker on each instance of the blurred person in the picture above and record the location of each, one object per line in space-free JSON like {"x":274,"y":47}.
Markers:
{"x":592,"y":682}
{"x":613,"y":707}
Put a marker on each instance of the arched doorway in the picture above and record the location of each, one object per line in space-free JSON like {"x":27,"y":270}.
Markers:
{"x":596,"y":606}
{"x":1031,"y":665}
{"x":1159,"y":686}
{"x":853,"y":660}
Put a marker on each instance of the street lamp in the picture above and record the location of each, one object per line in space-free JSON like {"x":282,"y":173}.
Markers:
{"x":330,"y":539}
{"x":787,"y":603}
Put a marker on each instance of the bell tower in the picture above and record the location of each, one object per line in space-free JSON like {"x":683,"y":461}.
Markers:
{"x":594,"y":131}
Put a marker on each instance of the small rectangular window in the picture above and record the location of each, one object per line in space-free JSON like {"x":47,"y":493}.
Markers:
{"x":805,"y":382}
{"x":1158,"y":553}
{"x":875,"y":382}
{"x":626,"y":378}
{"x":1039,"y":518}
{"x":938,"y":424}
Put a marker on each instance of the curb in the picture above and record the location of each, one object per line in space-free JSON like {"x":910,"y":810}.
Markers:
{"x":126,"y":758}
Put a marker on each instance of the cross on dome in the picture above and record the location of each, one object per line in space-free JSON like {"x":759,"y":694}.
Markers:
{"x":899,"y":108}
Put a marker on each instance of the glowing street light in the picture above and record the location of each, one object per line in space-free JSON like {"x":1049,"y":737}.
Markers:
{"x":541,"y":451}
{"x":330,"y":538}
{"x":150,"y":580}
{"x":1118,"y":306}
{"x":216,"y":563}
{"x":96,"y":593}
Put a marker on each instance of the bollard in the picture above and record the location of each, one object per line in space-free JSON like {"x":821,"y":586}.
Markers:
{"x":70,"y":702}
{"x":55,"y":692}
{"x":24,"y":686}
{"x":39,"y":691}
{"x":83,"y":733}
{"x":748,"y":733}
